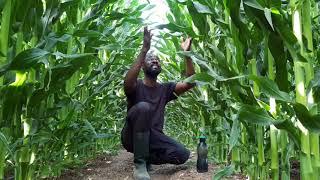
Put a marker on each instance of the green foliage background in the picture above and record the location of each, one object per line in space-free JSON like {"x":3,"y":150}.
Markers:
{"x":62,"y":64}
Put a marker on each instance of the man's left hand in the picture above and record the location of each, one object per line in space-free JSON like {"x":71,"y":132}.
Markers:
{"x":186,"y":45}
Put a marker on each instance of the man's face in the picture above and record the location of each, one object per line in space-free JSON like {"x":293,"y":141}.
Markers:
{"x":151,"y":66}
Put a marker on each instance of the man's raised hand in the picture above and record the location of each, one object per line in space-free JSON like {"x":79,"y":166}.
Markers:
{"x":130,"y":81}
{"x":186,"y":45}
{"x":146,"y":39}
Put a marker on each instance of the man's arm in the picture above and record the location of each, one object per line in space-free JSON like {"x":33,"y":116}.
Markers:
{"x":130,"y":81}
{"x":182,"y":87}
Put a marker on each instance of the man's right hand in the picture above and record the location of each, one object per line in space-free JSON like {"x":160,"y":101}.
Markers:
{"x":130,"y":81}
{"x":146,"y":39}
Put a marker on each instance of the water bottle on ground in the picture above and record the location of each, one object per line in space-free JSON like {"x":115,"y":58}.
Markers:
{"x":202,"y":152}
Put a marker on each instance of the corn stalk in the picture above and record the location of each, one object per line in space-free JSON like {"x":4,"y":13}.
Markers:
{"x":305,"y":160}
{"x":4,"y":36}
{"x":309,"y":70}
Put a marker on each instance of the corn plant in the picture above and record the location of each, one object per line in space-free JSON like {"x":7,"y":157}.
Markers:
{"x":61,"y":73}
{"x":256,"y":62}
{"x":62,"y":65}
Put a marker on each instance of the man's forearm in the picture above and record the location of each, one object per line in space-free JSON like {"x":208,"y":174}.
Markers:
{"x":185,"y":86}
{"x":189,"y":67}
{"x":189,"y":72}
{"x":132,"y":74}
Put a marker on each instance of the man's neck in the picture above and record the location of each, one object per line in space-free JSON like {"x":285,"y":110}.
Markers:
{"x":151,"y":82}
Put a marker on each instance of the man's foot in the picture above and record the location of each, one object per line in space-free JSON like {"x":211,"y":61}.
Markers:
{"x":140,"y":172}
{"x":141,"y":154}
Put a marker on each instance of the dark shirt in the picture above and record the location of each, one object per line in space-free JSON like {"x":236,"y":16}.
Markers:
{"x":157,"y":96}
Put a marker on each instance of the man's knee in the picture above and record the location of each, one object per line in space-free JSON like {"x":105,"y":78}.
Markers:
{"x":139,"y":116}
{"x":180,"y":155}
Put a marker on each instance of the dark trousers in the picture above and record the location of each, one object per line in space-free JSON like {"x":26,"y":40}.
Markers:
{"x":162,"y":148}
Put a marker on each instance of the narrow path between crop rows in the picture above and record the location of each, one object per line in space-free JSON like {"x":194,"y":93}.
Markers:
{"x":120,"y":168}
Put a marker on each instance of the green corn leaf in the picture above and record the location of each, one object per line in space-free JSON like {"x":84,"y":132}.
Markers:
{"x":255,"y":115}
{"x":59,"y":75}
{"x":309,"y":121}
{"x":201,"y":8}
{"x":89,"y":126}
{"x":293,"y":132}
{"x":289,"y":39}
{"x":177,"y":28}
{"x":235,"y":133}
{"x":277,"y":49}
{"x":218,"y":54}
{"x":63,"y":38}
{"x":314,"y":85}
{"x":28,"y":59}
{"x":112,"y":47}
{"x":270,"y":88}
{"x":87,"y":33}
{"x":103,"y":136}
{"x":199,"y":20}
{"x":60,"y":55}
{"x":275,"y":4}
{"x":253,"y":4}
{"x":200,"y":78}
{"x":5,"y":144}
{"x":267,"y":13}
{"x":226,"y":171}
{"x":182,"y":1}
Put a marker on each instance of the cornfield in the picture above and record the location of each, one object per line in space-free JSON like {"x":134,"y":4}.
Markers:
{"x":62,"y":64}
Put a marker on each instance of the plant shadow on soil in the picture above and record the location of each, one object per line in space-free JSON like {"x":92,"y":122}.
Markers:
{"x":120,"y":167}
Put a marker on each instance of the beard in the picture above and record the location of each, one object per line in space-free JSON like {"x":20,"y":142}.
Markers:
{"x":152,"y":73}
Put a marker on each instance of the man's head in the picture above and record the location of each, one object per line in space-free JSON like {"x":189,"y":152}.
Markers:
{"x":151,"y":65}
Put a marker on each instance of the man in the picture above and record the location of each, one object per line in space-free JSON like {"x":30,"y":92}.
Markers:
{"x":142,"y":133}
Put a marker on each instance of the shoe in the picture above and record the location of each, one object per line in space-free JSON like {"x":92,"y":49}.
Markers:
{"x":141,"y":154}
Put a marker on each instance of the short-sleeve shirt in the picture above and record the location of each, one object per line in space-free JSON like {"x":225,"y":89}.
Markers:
{"x":157,"y":96}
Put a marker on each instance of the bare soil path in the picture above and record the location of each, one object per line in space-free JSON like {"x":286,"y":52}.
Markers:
{"x":120,"y":167}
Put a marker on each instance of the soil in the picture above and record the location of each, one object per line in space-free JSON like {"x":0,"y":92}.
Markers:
{"x":120,"y":167}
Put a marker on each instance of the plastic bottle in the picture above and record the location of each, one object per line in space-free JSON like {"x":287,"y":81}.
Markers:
{"x":202,"y":152}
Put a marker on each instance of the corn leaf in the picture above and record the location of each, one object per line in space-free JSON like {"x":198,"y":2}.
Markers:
{"x":270,"y":88}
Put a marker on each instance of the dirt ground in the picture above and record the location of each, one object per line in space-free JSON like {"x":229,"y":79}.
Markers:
{"x":120,"y":167}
